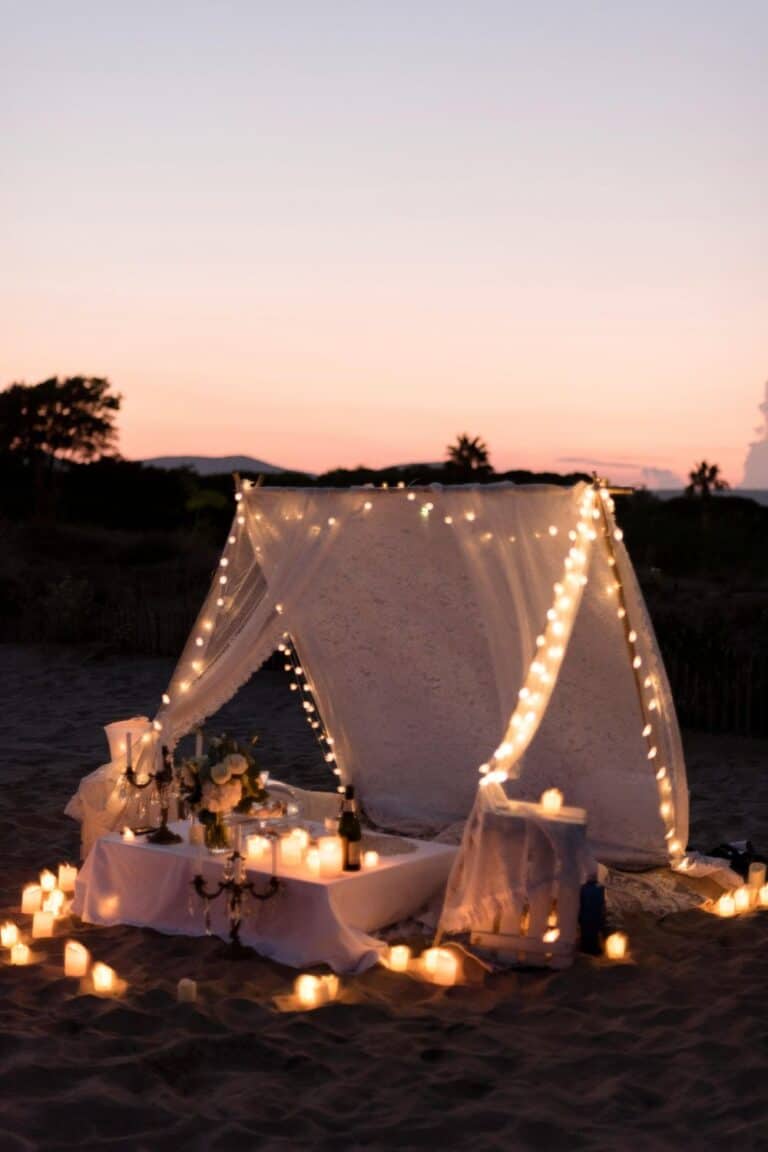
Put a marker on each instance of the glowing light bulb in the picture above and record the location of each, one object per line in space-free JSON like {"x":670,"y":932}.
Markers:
{"x":618,"y":534}
{"x":469,"y":516}
{"x":637,"y":662}
{"x":652,"y":753}
{"x":552,"y":530}
{"x":367,"y":506}
{"x":199,"y":641}
{"x":222,"y":580}
{"x":232,"y":540}
{"x":661,"y":773}
{"x":647,"y":730}
{"x":632,"y":636}
{"x":331,"y":521}
{"x":165,"y":698}
{"x":448,"y":519}
{"x":220,"y":602}
{"x":411,"y":496}
{"x":223,"y":562}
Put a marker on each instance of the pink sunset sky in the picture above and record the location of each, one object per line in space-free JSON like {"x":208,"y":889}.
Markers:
{"x":332,"y":234}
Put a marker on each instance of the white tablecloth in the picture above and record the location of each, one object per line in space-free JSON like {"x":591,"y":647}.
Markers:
{"x":311,"y":920}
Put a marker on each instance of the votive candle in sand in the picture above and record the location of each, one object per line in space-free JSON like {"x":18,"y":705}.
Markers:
{"x":307,"y":991}
{"x":399,"y":957}
{"x":329,"y":988}
{"x":552,"y":801}
{"x":9,"y":934}
{"x":47,"y":881}
{"x":616,"y":946}
{"x":103,"y":977}
{"x":20,"y":954}
{"x":291,"y":852}
{"x":726,"y":905}
{"x":370,"y":859}
{"x":762,"y":896}
{"x":756,"y":874}
{"x":76,"y":958}
{"x":186,"y":991}
{"x":42,"y":924}
{"x":742,"y":898}
{"x":441,"y":965}
{"x":67,"y":877}
{"x":54,"y":902}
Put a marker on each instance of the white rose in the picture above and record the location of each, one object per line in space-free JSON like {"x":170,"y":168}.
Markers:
{"x":220,"y":773}
{"x":238,"y":765}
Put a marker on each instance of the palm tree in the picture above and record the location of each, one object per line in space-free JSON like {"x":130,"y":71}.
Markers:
{"x":469,"y":455}
{"x":705,"y":479}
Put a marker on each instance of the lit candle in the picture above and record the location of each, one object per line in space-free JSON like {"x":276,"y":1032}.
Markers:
{"x":762,"y":896}
{"x":756,"y":874}
{"x":31,"y":899}
{"x":42,"y":925}
{"x":726,"y":905}
{"x":742,"y":898}
{"x":370,"y":859}
{"x":551,"y":935}
{"x":441,"y":965}
{"x":329,"y":988}
{"x":76,"y":958}
{"x":616,"y":946}
{"x":256,"y":847}
{"x":301,"y":836}
{"x":331,"y":855}
{"x":552,"y":801}
{"x":103,"y":977}
{"x":399,"y":957}
{"x":312,"y":861}
{"x":307,"y":990}
{"x":54,"y":902}
{"x":9,"y":934}
{"x":291,"y":852}
{"x":127,"y":834}
{"x":67,"y":877}
{"x":186,"y":991}
{"x":20,"y":954}
{"x":47,"y":881}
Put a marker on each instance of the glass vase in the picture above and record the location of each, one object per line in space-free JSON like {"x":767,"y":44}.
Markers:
{"x":216,"y":834}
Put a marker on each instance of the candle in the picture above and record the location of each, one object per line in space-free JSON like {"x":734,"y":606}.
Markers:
{"x":762,"y":896}
{"x":47,"y":881}
{"x":256,"y":847}
{"x":301,"y":836}
{"x":20,"y":954}
{"x":756,"y":874}
{"x":54,"y":902}
{"x":552,"y":801}
{"x":76,"y":958}
{"x":31,"y":899}
{"x":196,"y":833}
{"x":291,"y":852}
{"x":42,"y":925}
{"x":128,"y":834}
{"x":441,"y":965}
{"x":67,"y":877}
{"x":726,"y":905}
{"x":312,"y":861}
{"x":370,"y":859}
{"x":551,"y":935}
{"x":9,"y":934}
{"x":186,"y":991}
{"x":331,"y":855}
{"x":616,"y":946}
{"x":399,"y":957}
{"x":329,"y":988}
{"x":103,"y":977}
{"x":742,"y":898}
{"x":307,"y":991}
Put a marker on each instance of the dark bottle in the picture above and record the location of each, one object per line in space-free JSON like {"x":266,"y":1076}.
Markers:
{"x":350,"y":831}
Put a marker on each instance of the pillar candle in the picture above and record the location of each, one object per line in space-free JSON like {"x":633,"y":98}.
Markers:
{"x":307,"y":991}
{"x":186,"y":991}
{"x":301,"y":836}
{"x":756,"y":874}
{"x":441,"y":965}
{"x":54,"y":902}
{"x":616,"y":946}
{"x":256,"y":847}
{"x":291,"y":852}
{"x":42,"y":925}
{"x":9,"y":934}
{"x":329,"y":988}
{"x":399,"y":957}
{"x":331,"y":855}
{"x":552,"y":801}
{"x":76,"y":958}
{"x":726,"y":905}
{"x":370,"y":859}
{"x":67,"y":877}
{"x":47,"y":881}
{"x":20,"y":954}
{"x":103,"y":977}
{"x":31,"y":899}
{"x":762,"y":896}
{"x":312,"y":861}
{"x":742,"y":898}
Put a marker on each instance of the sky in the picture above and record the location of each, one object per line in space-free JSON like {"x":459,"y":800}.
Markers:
{"x":327,"y":234}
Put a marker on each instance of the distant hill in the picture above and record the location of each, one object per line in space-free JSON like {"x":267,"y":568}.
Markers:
{"x":213,"y":465}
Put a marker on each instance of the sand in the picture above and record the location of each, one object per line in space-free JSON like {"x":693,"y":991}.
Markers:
{"x":666,"y":1052}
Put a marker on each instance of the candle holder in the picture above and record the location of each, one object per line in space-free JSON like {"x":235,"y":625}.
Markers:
{"x":163,"y":780}
{"x":237,"y":888}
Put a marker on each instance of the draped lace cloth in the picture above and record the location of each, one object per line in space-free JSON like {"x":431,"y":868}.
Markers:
{"x":415,"y":626}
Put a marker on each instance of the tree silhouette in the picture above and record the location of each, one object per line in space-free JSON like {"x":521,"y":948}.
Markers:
{"x":705,"y":479}
{"x":469,"y":456}
{"x":71,"y":419}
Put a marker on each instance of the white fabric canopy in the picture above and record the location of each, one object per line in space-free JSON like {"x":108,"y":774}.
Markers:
{"x":416,"y":615}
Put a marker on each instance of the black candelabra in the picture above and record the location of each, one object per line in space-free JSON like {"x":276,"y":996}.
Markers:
{"x":236,"y":887}
{"x":162,"y":779}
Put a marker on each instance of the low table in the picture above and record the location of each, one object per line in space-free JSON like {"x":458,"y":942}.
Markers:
{"x":311,"y":919}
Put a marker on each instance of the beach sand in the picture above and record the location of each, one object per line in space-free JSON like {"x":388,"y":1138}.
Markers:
{"x":667,"y":1052}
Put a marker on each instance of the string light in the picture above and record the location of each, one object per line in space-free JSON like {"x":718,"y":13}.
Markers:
{"x":312,"y":713}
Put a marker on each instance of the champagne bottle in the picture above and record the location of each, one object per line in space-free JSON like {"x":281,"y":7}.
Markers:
{"x":350,"y":831}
